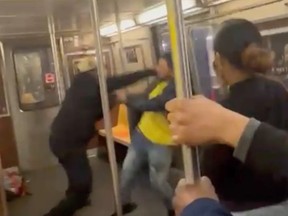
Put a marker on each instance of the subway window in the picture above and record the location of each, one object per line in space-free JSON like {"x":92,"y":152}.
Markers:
{"x":36,"y":79}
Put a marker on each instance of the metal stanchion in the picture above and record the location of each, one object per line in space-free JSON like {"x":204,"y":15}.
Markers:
{"x":5,"y":87}
{"x":65,"y":63}
{"x":182,"y":78}
{"x":51,"y":28}
{"x":120,"y":36}
{"x":105,"y":105}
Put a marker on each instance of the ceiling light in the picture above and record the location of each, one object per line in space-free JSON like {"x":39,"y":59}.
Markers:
{"x":107,"y":30}
{"x":188,"y":4}
{"x":126,"y":24}
{"x":112,"y":29}
{"x":159,"y":13}
{"x":154,"y":13}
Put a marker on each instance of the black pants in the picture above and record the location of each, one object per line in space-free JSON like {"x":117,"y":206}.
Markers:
{"x":77,"y":168}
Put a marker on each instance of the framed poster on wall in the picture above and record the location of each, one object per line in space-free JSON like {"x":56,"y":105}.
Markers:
{"x":131,"y":55}
{"x":133,"y":58}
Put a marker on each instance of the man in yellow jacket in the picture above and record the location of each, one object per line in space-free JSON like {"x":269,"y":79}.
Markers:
{"x":151,"y":138}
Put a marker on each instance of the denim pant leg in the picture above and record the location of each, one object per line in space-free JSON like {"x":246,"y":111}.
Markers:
{"x":133,"y":162}
{"x":160,"y":158}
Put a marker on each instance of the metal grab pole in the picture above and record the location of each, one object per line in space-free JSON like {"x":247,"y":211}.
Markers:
{"x":120,"y":36}
{"x":3,"y":74}
{"x":51,"y":28}
{"x":65,"y":64}
{"x":105,"y":105}
{"x":182,"y":78}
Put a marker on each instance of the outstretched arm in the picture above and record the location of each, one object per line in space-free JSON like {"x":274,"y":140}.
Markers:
{"x":121,"y":81}
{"x":156,"y":104}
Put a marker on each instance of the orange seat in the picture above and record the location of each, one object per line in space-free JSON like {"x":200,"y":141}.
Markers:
{"x":121,"y":133}
{"x":121,"y":130}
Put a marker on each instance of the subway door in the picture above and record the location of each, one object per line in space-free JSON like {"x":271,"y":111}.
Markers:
{"x":35,"y":101}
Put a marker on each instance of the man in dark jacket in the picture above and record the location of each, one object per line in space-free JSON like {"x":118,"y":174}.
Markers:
{"x":73,"y":127}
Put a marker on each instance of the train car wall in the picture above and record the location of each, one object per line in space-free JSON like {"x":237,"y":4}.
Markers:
{"x":8,"y":149}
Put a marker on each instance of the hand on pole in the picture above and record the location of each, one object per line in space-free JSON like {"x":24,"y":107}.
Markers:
{"x":200,"y":121}
{"x":186,"y":193}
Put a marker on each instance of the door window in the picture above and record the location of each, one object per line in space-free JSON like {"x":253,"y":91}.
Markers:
{"x":36,"y":79}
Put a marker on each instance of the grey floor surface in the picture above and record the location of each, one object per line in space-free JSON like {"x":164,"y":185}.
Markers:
{"x":48,"y":188}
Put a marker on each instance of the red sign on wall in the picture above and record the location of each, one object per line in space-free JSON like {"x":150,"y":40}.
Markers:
{"x":49,"y":78}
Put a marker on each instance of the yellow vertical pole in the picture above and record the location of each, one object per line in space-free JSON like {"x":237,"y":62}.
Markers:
{"x":182,"y":78}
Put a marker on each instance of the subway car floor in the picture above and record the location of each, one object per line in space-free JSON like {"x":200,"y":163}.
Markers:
{"x":48,"y":186}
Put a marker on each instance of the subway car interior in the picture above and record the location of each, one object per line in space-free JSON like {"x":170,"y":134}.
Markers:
{"x":42,"y":43}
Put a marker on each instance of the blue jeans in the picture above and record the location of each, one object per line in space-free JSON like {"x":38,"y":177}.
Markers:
{"x":159,"y":159}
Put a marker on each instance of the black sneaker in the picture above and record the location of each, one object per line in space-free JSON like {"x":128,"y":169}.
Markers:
{"x":67,"y":207}
{"x":126,"y":209}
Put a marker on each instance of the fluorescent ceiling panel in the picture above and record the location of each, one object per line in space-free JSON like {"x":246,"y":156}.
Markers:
{"x":188,"y":4}
{"x":155,"y":13}
{"x":112,"y":29}
{"x":159,"y":12}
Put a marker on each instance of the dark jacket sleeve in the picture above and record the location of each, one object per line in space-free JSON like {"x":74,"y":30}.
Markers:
{"x":121,"y":81}
{"x":156,"y":104}
{"x":205,"y":207}
{"x":269,"y":151}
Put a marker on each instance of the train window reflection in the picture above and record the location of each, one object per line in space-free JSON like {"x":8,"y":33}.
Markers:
{"x":36,"y":79}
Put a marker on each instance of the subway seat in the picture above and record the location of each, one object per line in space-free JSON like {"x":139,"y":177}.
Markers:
{"x":120,"y":132}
